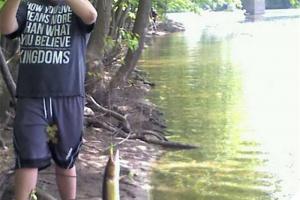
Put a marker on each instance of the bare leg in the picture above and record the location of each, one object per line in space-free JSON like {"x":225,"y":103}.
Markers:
{"x":66,"y":182}
{"x":25,"y":182}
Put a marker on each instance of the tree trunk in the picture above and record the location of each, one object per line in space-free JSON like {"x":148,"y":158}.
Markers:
{"x":116,"y":15}
{"x":96,"y":46}
{"x":97,"y":40}
{"x":7,"y":77}
{"x":132,"y":56}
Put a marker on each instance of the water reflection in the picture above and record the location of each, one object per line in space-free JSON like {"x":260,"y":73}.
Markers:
{"x":235,"y":92}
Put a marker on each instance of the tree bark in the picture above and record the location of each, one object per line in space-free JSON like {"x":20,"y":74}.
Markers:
{"x":7,"y":77}
{"x":132,"y":56}
{"x":118,"y":19}
{"x":96,"y":46}
{"x":96,"y":43}
{"x":116,"y":15}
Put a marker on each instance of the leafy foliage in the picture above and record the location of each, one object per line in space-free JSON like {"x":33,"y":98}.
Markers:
{"x":192,"y":5}
{"x":295,"y":3}
{"x":130,"y":39}
{"x":2,"y":3}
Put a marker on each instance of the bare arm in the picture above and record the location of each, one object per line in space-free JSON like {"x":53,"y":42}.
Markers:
{"x":8,"y":20}
{"x":83,"y":9}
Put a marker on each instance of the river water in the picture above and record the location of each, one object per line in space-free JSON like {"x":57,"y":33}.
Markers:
{"x":232,"y":87}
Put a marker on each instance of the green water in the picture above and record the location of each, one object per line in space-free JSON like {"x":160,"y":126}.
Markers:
{"x":233,"y":90}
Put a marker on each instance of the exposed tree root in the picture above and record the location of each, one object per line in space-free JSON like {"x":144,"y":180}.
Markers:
{"x":98,"y":107}
{"x":144,"y":135}
{"x":93,"y":121}
{"x":158,"y":135}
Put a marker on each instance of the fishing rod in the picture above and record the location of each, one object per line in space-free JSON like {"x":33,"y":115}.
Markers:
{"x":111,"y":177}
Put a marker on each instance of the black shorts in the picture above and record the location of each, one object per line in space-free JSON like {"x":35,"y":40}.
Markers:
{"x":46,"y":128}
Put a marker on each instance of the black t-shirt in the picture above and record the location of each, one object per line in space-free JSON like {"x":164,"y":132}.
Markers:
{"x":53,"y":46}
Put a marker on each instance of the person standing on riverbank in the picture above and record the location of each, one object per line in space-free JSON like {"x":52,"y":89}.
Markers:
{"x":153,"y":16}
{"x":50,"y":87}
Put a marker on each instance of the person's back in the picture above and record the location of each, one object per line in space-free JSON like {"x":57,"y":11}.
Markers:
{"x":153,"y":15}
{"x":50,"y":86}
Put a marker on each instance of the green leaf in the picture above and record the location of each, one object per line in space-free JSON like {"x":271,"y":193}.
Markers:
{"x":52,"y":133}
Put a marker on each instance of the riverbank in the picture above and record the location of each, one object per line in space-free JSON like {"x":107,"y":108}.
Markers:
{"x":137,"y":157}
